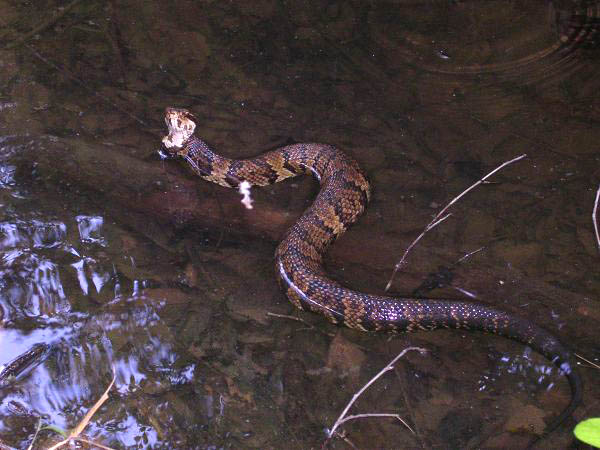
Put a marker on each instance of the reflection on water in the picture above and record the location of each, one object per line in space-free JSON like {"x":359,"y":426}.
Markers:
{"x":31,"y":282}
{"x":427,"y":95}
{"x":523,"y":365}
{"x":89,"y":229}
{"x":48,"y":267}
{"x":7,"y":176}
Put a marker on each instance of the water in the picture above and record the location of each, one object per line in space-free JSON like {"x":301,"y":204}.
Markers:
{"x":114,"y":258}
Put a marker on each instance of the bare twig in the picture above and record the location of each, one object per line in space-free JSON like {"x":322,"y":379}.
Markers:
{"x":362,"y":416}
{"x":400,"y":263}
{"x":299,"y":319}
{"x":438,"y":217}
{"x":109,"y":26}
{"x":593,"y":364}
{"x":74,"y":434}
{"x":468,"y":255}
{"x":285,"y":316}
{"x":342,"y":418}
{"x":349,"y":442}
{"x":37,"y":431}
{"x":44,"y":25}
{"x":595,"y":217}
{"x":67,"y":74}
{"x":465,"y":292}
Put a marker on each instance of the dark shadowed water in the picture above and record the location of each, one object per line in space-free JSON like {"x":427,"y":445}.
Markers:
{"x":114,"y":258}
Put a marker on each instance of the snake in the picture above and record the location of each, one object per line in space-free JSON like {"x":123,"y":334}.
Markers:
{"x":342,"y":198}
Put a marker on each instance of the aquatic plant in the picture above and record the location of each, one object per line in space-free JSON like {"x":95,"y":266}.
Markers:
{"x":588,"y":431}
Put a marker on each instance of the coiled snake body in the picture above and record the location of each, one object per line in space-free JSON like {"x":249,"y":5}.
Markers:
{"x":344,"y":194}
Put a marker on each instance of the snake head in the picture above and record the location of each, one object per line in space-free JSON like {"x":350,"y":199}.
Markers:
{"x":181,"y":124}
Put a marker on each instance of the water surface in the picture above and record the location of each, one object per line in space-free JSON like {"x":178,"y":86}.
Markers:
{"x":112,"y":257}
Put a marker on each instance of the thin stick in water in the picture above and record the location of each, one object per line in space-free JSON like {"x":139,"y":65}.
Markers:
{"x":593,"y":364}
{"x":343,"y":418}
{"x":595,"y":217}
{"x":363,"y":416}
{"x":401,"y":263}
{"x":43,"y":26}
{"x":438,"y":217}
{"x":75,"y":433}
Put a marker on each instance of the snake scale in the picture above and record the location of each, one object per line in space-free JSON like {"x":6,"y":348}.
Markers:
{"x":343,"y":196}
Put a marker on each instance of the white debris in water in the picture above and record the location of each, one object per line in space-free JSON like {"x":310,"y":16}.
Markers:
{"x":244,"y":189}
{"x":100,"y":279}
{"x":89,"y":229}
{"x":83,"y":283}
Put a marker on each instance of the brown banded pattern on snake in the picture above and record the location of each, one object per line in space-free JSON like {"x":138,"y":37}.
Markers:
{"x":344,"y":194}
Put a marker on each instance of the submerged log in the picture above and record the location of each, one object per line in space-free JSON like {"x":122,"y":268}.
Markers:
{"x":129,"y":188}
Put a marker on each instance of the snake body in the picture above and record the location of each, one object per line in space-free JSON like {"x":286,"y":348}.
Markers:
{"x":343,"y":196}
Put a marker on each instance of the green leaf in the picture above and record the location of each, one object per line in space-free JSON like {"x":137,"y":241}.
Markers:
{"x":54,"y":428}
{"x":588,"y":431}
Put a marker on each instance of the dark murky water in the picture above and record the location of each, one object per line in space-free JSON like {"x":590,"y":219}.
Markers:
{"x":112,"y":257}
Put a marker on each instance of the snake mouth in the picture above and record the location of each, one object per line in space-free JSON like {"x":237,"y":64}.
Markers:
{"x":181,"y":125}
